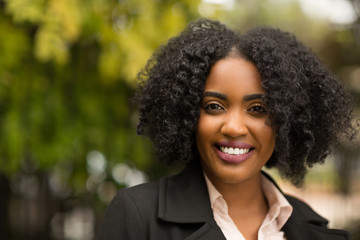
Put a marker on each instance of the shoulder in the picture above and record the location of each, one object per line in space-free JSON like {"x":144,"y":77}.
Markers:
{"x":303,"y":210}
{"x":150,"y":189}
{"x":131,"y":208}
{"x":140,"y":198}
{"x":307,"y":223}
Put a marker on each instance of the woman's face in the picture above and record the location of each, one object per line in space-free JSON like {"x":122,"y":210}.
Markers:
{"x":232,"y":137}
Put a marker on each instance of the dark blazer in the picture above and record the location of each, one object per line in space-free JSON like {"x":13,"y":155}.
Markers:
{"x":178,"y":207}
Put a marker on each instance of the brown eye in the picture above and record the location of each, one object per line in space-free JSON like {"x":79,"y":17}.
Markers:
{"x":258,"y":108}
{"x":213,"y":108}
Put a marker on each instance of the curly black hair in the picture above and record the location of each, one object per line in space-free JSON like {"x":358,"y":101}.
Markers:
{"x":307,"y":106}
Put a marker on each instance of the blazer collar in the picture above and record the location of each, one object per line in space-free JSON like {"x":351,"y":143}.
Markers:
{"x":304,"y":223}
{"x":184,"y":198}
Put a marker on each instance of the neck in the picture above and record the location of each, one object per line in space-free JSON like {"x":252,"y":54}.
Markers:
{"x":245,"y":197}
{"x":247,"y":205}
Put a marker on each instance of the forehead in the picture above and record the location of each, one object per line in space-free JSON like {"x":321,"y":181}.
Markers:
{"x":234,"y":75}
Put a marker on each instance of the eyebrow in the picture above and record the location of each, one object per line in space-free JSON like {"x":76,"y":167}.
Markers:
{"x":215,"y":94}
{"x":254,"y":96}
{"x":224,"y":97}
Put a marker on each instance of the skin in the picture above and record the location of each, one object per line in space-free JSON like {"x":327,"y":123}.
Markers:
{"x":233,"y":113}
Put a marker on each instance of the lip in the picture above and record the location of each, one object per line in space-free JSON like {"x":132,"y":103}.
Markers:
{"x":234,"y":144}
{"x":233,"y":158}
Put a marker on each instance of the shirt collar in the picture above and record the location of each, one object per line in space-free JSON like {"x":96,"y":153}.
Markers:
{"x":279,"y":208}
{"x":214,"y":194}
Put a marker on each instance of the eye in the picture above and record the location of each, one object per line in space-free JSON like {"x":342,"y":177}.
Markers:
{"x":213,"y":108}
{"x":258,"y":108}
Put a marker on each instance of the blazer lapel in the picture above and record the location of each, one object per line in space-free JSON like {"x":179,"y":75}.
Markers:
{"x":209,"y":231}
{"x":294,"y":229}
{"x":304,"y":223}
{"x":299,"y":229}
{"x":184,"y":199}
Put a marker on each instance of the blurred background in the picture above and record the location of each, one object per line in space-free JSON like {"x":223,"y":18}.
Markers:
{"x":67,"y":71}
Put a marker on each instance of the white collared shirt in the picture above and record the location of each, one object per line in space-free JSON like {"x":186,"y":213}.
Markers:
{"x":270,"y":229}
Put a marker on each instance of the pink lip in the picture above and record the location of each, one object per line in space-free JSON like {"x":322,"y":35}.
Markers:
{"x":234,"y":144}
{"x":234,"y":158}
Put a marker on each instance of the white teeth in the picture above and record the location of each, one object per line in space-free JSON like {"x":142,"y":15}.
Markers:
{"x":234,"y":151}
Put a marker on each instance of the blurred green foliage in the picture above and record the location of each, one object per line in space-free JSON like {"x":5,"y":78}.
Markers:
{"x":67,"y":71}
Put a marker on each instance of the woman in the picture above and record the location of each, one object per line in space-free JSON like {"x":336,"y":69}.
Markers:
{"x":223,"y":106}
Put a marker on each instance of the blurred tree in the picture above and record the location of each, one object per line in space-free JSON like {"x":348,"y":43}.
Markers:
{"x":67,"y":71}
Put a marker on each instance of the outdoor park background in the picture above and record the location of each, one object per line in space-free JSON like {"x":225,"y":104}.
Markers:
{"x":67,"y":127}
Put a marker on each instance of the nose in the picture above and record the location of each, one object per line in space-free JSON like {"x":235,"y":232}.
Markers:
{"x":234,"y":125}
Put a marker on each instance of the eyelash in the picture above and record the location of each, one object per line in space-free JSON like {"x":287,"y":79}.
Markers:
{"x":210,"y":110}
{"x":258,"y":108}
{"x":213,"y":108}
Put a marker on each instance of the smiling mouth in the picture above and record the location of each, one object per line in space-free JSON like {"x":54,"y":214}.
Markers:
{"x":233,"y":154}
{"x":234,"y":151}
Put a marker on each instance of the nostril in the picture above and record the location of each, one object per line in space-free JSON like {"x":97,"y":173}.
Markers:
{"x":234,"y":129}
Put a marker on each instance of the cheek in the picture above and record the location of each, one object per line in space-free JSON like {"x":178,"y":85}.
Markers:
{"x":201,"y":131}
{"x":202,"y":124}
{"x":205,"y":131}
{"x":264,"y":134}
{"x":269,"y":138}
